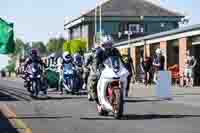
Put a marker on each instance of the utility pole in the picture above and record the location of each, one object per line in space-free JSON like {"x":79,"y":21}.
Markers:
{"x":100,"y":18}
{"x":95,"y":19}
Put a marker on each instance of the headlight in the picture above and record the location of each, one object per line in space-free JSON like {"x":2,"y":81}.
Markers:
{"x":38,"y":76}
{"x":31,"y":76}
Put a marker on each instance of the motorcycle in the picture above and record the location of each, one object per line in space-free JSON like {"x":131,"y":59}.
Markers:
{"x":111,"y":86}
{"x":69,"y":78}
{"x":34,"y":77}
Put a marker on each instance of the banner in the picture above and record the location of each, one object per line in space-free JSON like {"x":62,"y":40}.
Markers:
{"x":7,"y":45}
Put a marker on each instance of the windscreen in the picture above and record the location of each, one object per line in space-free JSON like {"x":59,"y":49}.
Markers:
{"x":113,"y":62}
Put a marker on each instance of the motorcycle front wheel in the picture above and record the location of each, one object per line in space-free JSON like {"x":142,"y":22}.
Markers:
{"x":35,"y":88}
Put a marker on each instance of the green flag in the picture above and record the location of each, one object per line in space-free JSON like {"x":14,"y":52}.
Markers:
{"x":7,"y":44}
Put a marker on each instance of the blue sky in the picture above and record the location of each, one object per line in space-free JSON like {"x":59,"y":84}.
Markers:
{"x":37,"y":20}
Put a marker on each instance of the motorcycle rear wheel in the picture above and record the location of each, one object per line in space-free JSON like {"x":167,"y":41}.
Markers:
{"x":118,"y":104}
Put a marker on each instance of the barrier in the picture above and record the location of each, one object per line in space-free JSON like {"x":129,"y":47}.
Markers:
{"x":164,"y":86}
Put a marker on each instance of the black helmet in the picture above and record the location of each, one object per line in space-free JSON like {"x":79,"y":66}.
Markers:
{"x":34,"y":52}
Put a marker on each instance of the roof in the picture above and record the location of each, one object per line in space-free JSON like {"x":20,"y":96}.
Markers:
{"x":130,"y":8}
{"x":162,"y":34}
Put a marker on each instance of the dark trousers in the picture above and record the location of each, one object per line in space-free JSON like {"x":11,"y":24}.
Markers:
{"x":128,"y":85}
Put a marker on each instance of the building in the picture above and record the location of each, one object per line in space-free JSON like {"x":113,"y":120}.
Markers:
{"x":174,"y":44}
{"x":139,"y":17}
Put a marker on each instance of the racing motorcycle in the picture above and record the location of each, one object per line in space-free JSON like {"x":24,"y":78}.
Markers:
{"x":34,"y":77}
{"x":111,"y":86}
{"x":69,"y":78}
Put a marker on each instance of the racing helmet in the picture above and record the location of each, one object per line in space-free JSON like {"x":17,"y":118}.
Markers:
{"x":78,"y":59}
{"x":106,"y":41}
{"x":53,"y":55}
{"x":34,"y":53}
{"x":67,"y":57}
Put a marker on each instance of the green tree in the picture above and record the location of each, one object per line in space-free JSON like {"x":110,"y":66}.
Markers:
{"x":11,"y":66}
{"x":41,"y":47}
{"x":55,"y":45}
{"x":75,"y":46}
{"x":19,"y":46}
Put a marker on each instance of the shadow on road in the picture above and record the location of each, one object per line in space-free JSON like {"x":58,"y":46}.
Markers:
{"x":141,"y":100}
{"x":5,"y":126}
{"x":6,"y":97}
{"x":143,"y":117}
{"x":155,"y":116}
{"x":14,"y":93}
{"x":40,"y":117}
{"x":59,"y":98}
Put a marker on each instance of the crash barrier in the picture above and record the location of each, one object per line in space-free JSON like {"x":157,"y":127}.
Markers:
{"x":164,"y":86}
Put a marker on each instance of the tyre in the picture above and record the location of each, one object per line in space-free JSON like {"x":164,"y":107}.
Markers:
{"x":102,"y":112}
{"x":34,"y":88}
{"x":118,"y":104}
{"x":90,"y":98}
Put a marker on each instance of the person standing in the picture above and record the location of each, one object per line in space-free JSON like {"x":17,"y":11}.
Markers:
{"x":158,"y":63}
{"x":128,"y":63}
{"x":189,"y":69}
{"x":60,"y":71}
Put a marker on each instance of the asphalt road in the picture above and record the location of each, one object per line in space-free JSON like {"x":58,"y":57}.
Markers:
{"x":74,"y":114}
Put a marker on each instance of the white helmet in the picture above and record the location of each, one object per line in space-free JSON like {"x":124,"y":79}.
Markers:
{"x":106,"y":41}
{"x":53,"y":55}
{"x":158,"y":51}
{"x":66,"y":56}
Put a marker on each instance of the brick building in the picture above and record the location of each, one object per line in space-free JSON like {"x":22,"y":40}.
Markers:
{"x":174,"y":44}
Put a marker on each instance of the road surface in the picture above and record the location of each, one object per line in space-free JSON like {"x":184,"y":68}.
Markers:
{"x":74,"y":114}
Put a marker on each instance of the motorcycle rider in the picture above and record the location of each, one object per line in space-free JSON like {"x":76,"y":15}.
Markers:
{"x":52,"y":62}
{"x":87,"y":65}
{"x":67,"y":59}
{"x":102,"y":52}
{"x":34,"y":58}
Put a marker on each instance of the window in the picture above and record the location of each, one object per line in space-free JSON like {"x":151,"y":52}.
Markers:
{"x":162,"y":25}
{"x":136,"y":28}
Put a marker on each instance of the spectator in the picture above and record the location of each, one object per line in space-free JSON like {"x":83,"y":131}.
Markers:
{"x":128,"y":62}
{"x":3,"y":73}
{"x":146,"y":64}
{"x":158,"y":63}
{"x":189,"y":69}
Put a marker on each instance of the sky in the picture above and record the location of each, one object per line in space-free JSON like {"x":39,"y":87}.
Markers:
{"x":38,"y":20}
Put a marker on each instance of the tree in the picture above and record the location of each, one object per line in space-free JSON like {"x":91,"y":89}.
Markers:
{"x":11,"y":66}
{"x":19,"y":45}
{"x":55,"y":45}
{"x":41,"y":47}
{"x":75,"y":46}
